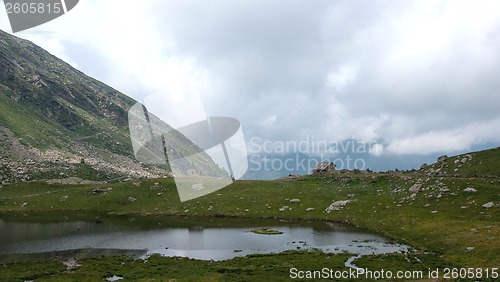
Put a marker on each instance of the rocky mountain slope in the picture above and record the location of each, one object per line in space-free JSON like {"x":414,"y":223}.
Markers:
{"x":57,"y":122}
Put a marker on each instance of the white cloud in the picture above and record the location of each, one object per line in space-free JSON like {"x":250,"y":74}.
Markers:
{"x":450,"y":140}
{"x":420,"y":77}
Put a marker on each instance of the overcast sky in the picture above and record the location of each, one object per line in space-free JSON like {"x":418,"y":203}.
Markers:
{"x":416,"y":77}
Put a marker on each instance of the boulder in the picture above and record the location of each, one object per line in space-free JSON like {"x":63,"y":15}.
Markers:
{"x":469,"y":249}
{"x":442,"y":158}
{"x":337,"y":205}
{"x":488,"y":205}
{"x":99,"y":190}
{"x":470,"y":190}
{"x":415,"y":188}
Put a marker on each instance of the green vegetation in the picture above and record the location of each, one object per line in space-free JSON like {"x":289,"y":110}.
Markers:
{"x":445,"y":222}
{"x":440,"y":225}
{"x":249,"y":268}
{"x":266,"y":231}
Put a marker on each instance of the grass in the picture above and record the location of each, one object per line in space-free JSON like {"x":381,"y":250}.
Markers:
{"x":434,"y":224}
{"x":442,"y":222}
{"x":250,"y":268}
{"x":266,"y":231}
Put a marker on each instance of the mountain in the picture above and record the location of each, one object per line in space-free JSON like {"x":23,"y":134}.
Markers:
{"x":57,"y":122}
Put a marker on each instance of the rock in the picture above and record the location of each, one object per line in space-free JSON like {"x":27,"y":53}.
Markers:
{"x":427,"y":205}
{"x":415,"y":188}
{"x":434,"y":211}
{"x":444,"y":190}
{"x":71,"y":264}
{"x":413,"y":196}
{"x":247,"y":210}
{"x":283,"y":208}
{"x":488,"y":205}
{"x":309,"y":209}
{"x":468,"y":249}
{"x":470,"y":190}
{"x":337,"y":205}
{"x":351,"y":195}
{"x":464,"y":160}
{"x":136,"y":184}
{"x":157,"y":185}
{"x":442,"y":158}
{"x":294,"y":200}
{"x":99,"y":191}
{"x":132,"y":199}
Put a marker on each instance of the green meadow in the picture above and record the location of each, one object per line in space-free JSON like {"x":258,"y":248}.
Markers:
{"x":444,"y":222}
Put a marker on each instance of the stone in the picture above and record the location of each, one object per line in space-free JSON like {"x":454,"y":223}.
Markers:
{"x":309,"y":209}
{"x":283,"y":208}
{"x":488,"y":205}
{"x":464,"y":160}
{"x":99,"y":190}
{"x":294,"y":200}
{"x":337,"y":205}
{"x":468,"y":249}
{"x":470,"y":190}
{"x":132,"y":199}
{"x":442,"y":158}
{"x":415,"y":188}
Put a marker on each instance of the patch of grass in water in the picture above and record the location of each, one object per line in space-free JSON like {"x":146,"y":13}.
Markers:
{"x":266,"y":231}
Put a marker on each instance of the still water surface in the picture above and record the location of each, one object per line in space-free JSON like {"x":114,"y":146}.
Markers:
{"x":207,"y":238}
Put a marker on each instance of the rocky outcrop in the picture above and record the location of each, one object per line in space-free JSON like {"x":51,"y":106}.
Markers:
{"x":337,"y":205}
{"x":415,"y":188}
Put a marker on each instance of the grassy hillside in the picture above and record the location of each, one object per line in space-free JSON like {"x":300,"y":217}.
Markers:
{"x":478,"y":164}
{"x":57,"y":122}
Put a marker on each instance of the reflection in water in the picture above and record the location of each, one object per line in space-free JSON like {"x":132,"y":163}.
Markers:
{"x":217,"y":240}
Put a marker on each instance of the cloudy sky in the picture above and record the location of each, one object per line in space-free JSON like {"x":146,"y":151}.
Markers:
{"x":416,"y":77}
